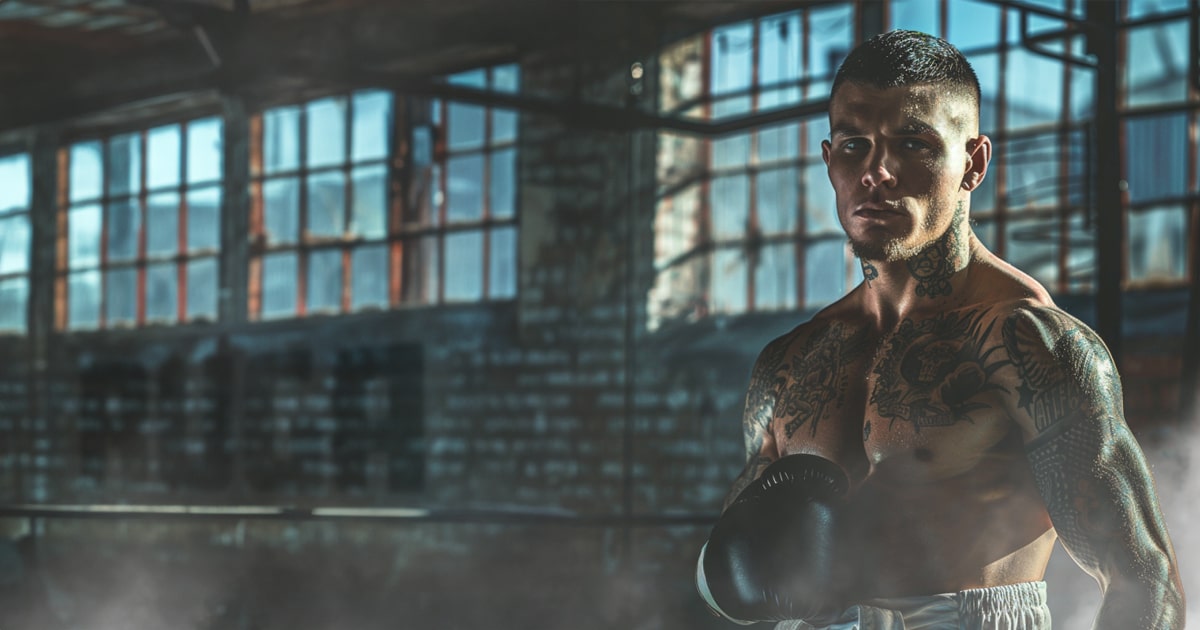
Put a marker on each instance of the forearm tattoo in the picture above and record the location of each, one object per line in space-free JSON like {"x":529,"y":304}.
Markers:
{"x":766,"y":383}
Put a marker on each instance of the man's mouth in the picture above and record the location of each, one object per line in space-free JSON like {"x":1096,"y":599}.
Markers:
{"x":878,"y":211}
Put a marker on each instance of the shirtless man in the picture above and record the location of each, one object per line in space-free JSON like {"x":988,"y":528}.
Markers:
{"x":915,"y":450}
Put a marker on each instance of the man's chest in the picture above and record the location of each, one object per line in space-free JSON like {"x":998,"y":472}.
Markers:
{"x":923,"y":396}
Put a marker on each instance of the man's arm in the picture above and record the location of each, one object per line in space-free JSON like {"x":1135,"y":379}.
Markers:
{"x":766,"y":385}
{"x":1090,"y":470}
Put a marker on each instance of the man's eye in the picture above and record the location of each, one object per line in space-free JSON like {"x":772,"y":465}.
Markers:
{"x":854,"y":144}
{"x":913,"y":144}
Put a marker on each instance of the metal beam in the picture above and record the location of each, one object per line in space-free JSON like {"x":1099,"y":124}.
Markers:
{"x":1103,"y":38}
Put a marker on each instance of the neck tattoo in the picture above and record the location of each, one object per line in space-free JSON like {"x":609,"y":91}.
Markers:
{"x":934,"y":266}
{"x":869,"y":271}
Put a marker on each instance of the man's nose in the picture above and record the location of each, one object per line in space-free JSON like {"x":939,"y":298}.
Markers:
{"x":879,"y":170}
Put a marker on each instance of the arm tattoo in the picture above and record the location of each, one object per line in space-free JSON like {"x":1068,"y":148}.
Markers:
{"x":934,"y":370}
{"x":818,"y":376}
{"x":935,"y":264}
{"x":766,"y":382}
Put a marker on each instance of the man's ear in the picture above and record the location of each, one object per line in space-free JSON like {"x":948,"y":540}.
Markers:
{"x":979,"y":154}
{"x":825,"y":148}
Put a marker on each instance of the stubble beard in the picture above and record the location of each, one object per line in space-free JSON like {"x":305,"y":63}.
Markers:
{"x":895,"y":249}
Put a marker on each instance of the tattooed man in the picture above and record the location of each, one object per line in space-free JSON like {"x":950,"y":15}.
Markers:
{"x":916,"y":449}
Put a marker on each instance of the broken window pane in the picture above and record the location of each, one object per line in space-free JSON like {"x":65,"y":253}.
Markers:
{"x":502,"y":269}
{"x":279,"y":285}
{"x":14,"y":298}
{"x":281,"y":210}
{"x":205,"y":144}
{"x":204,"y":219}
{"x":162,"y":224}
{"x":464,"y":177}
{"x":326,"y":132}
{"x":281,"y":139}
{"x":14,"y":183}
{"x":824,"y":271}
{"x":202,"y":289}
{"x":83,"y":236}
{"x":326,"y":204}
{"x":14,"y":244}
{"x":162,"y":284}
{"x":83,"y":303}
{"x":162,"y":157}
{"x":502,"y":182}
{"x":369,"y":219}
{"x":86,"y":169}
{"x":464,"y":266}
{"x":1158,"y":245}
{"x":120,"y":296}
{"x":369,"y":285}
{"x":372,"y":125}
{"x":124,"y":223}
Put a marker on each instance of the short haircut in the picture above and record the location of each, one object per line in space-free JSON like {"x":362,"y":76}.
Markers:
{"x":901,"y":58}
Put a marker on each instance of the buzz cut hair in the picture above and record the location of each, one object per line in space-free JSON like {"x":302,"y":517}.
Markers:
{"x":902,"y":58}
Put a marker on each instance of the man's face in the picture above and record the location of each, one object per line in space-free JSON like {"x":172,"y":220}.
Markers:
{"x":897,"y":160}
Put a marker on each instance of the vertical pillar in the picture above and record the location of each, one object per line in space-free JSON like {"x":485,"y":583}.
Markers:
{"x":1103,"y":17}
{"x":43,"y":217}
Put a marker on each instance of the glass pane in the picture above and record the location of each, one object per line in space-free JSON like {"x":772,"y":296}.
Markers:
{"x":162,"y":284}
{"x":279,"y":285}
{"x":1032,"y":246}
{"x":370,"y":212}
{"x":476,"y":78}
{"x":14,"y":298}
{"x":504,"y":126}
{"x":729,"y":291}
{"x":14,"y":244}
{"x":731,"y":67}
{"x":162,"y":224}
{"x":781,"y":142}
{"x":775,"y":277}
{"x":985,"y":231}
{"x":205,"y":144}
{"x":419,"y":278}
{"x":1081,"y":255}
{"x":502,"y":183}
{"x":1160,"y":72}
{"x":83,"y":299}
{"x":86,"y":169}
{"x":1142,"y":8}
{"x":204,"y":219}
{"x":820,"y":209}
{"x":83,"y":237}
{"x":824,"y":272}
{"x":281,"y":210}
{"x":464,"y":180}
{"x":502,"y":269}
{"x":464,"y":126}
{"x":372,"y":125}
{"x":281,"y":139}
{"x":1034,"y":89}
{"x":916,"y":15}
{"x":464,"y":266}
{"x":730,"y":206}
{"x":326,"y":132}
{"x":14,"y":183}
{"x":1158,"y":245}
{"x":163,"y":153}
{"x":369,"y":280}
{"x":120,"y":297}
{"x":777,"y":205}
{"x":1083,"y":83}
{"x":983,"y":198}
{"x":1032,"y":171}
{"x":987,"y":69}
{"x":124,"y":165}
{"x":202,"y":289}
{"x":973,"y":25}
{"x":325,"y":281}
{"x":326,"y":204}
{"x":506,"y":78}
{"x":831,"y":33}
{"x":779,"y":60}
{"x":731,"y":151}
{"x":1156,"y":146}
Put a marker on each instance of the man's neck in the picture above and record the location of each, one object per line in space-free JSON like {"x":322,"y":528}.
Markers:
{"x":933,"y":279}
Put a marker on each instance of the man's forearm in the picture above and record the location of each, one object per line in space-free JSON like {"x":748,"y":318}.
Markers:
{"x":1149,"y":604}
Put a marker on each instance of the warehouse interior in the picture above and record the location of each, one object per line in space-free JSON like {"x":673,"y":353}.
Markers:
{"x":360,"y":314}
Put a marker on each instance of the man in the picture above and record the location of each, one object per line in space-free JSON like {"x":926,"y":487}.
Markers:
{"x":915,"y":450}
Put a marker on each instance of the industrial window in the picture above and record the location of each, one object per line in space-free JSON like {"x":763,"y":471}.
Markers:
{"x":14,"y":242}
{"x":747,"y":222}
{"x":332,"y":232}
{"x":139,"y":227}
{"x":320,"y":199}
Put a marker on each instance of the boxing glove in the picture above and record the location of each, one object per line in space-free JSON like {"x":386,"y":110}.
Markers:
{"x":771,"y":555}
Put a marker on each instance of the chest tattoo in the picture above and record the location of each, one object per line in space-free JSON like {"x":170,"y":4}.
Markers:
{"x":819,"y":376}
{"x":933,"y":371}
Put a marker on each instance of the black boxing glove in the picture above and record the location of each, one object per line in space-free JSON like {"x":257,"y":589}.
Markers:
{"x":771,"y":555}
